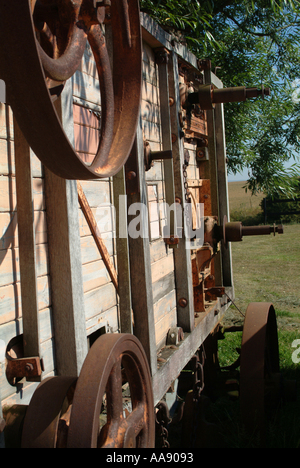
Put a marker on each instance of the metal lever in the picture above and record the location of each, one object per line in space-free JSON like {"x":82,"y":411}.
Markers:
{"x":208,"y":96}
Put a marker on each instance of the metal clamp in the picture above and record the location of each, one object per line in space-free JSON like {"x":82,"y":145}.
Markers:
{"x":17,"y":369}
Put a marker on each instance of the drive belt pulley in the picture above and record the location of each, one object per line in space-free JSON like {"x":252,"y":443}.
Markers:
{"x":44,"y":45}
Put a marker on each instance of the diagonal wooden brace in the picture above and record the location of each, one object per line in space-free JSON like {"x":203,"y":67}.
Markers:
{"x":97,"y":237}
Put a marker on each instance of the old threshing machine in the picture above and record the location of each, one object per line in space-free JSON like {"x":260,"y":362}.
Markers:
{"x":115,"y":240}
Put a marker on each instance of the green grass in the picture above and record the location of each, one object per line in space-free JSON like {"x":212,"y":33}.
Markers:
{"x":267,"y":269}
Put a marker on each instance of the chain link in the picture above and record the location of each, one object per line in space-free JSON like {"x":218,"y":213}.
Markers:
{"x":162,"y":420}
{"x":197,"y":390}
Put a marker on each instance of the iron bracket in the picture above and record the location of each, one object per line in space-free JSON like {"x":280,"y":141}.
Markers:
{"x":29,"y":368}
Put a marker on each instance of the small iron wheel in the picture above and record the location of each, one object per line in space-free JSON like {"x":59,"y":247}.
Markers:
{"x":113,"y":361}
{"x":47,"y":417}
{"x":259,"y":363}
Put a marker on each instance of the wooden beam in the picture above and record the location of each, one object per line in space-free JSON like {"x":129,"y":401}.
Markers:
{"x":86,"y":209}
{"x":182,"y":255}
{"x":122,"y":245}
{"x":27,"y":250}
{"x":67,"y":295}
{"x":140,"y":262}
{"x":212,"y":168}
{"x":162,"y":59}
{"x":223,"y":190}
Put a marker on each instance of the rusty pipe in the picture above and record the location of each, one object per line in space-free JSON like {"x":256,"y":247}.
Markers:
{"x":234,"y":232}
{"x":208,"y":96}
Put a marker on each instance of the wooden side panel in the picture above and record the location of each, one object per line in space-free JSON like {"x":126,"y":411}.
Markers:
{"x":10,"y":288}
{"x":162,"y":259}
{"x":100,"y":297}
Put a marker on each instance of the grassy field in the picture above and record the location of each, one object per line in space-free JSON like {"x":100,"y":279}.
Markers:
{"x":244,"y":206}
{"x":266,"y":269}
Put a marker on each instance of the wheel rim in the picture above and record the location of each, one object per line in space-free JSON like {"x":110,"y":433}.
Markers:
{"x":102,"y":374}
{"x":259,"y":360}
{"x":50,"y":403}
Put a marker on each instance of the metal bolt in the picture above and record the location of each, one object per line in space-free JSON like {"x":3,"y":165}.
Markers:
{"x":29,"y":367}
{"x":183,"y":302}
{"x":131,"y":175}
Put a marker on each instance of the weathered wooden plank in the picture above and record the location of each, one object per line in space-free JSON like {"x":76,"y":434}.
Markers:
{"x":122,"y":248}
{"x":155,"y":173}
{"x":10,"y":299}
{"x":27,"y":252}
{"x":99,"y":300}
{"x":108,"y":319}
{"x":158,"y":250}
{"x":94,"y":275}
{"x":104,"y":218}
{"x":141,"y":282}
{"x":164,"y":306}
{"x":183,"y":265}
{"x":10,"y":269}
{"x":7,"y":153}
{"x":163,"y":287}
{"x":86,"y":139}
{"x":7,"y":160}
{"x":153,"y":34}
{"x":162,"y":268}
{"x":9,"y":229}
{"x":223,"y":189}
{"x":150,"y":112}
{"x":89,"y":250}
{"x":213,"y":174}
{"x":166,"y":131}
{"x":97,"y":192}
{"x":88,"y":64}
{"x":6,"y":122}
{"x":65,"y":258}
{"x":163,"y":326}
{"x":8,"y":194}
{"x":85,"y":117}
{"x":86,"y":88}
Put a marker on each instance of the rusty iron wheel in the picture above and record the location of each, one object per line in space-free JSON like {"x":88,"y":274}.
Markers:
{"x":47,"y":417}
{"x":35,"y":71}
{"x":113,"y":360}
{"x":259,"y":363}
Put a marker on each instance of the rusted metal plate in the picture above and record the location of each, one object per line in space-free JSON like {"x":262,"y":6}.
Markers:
{"x":24,"y":67}
{"x":25,"y":367}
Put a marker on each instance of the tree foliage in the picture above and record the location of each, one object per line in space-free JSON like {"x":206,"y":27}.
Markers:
{"x":250,"y":43}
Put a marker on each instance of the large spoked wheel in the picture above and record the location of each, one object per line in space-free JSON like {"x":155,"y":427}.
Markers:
{"x":259,"y":365}
{"x":113,"y":361}
{"x":35,"y":71}
{"x":47,"y":417}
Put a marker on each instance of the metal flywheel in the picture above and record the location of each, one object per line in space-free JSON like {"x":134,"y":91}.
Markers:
{"x":42,"y":45}
{"x":109,"y":406}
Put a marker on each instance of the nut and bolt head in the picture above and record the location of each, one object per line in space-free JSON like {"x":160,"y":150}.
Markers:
{"x":183,"y":302}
